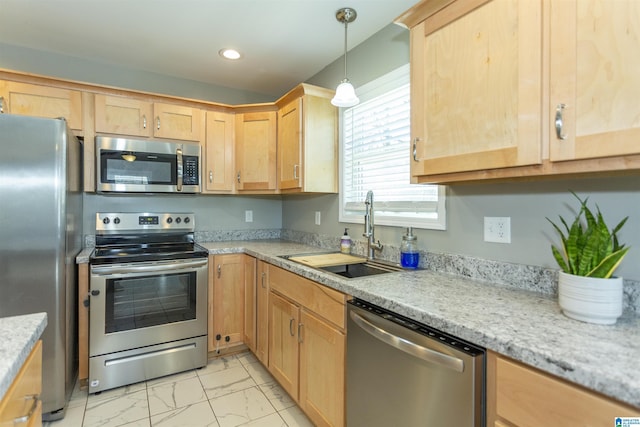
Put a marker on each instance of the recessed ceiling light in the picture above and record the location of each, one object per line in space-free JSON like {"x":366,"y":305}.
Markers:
{"x":229,"y":54}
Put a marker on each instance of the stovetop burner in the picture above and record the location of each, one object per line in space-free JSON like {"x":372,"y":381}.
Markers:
{"x":144,"y":237}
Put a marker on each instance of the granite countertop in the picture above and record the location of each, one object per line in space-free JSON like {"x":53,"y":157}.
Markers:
{"x":525,"y":326}
{"x":18,"y":335}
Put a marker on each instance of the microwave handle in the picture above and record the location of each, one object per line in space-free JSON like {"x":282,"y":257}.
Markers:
{"x":180,"y":168}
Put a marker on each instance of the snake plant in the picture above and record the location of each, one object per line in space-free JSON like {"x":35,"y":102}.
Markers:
{"x":588,"y":248}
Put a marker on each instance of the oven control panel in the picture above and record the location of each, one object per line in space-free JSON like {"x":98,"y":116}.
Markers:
{"x":122,"y":222}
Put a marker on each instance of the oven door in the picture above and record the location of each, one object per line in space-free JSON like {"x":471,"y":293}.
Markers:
{"x":142,"y":304}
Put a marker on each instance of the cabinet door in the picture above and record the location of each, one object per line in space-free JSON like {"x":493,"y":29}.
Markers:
{"x":177,"y":122}
{"x":42,"y":101}
{"x":123,"y":116}
{"x":518,"y":395}
{"x":594,"y":74}
{"x":256,"y":151}
{"x":218,"y":175}
{"x":476,"y":87}
{"x":262,"y":312}
{"x":290,"y":144}
{"x":250,"y":302}
{"x":322,"y":371}
{"x":226,"y":308}
{"x":283,"y":343}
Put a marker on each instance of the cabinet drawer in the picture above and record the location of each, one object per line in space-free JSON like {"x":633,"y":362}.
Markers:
{"x":23,"y":396}
{"x":528,"y":397}
{"x":322,"y":300}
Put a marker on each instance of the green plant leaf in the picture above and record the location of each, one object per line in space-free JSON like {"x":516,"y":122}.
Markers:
{"x":589,"y":248}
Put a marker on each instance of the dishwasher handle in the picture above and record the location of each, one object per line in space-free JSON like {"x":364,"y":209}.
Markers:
{"x":407,"y":346}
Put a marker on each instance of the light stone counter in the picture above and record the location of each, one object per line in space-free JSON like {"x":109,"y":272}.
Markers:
{"x":523,"y":325}
{"x":18,"y":335}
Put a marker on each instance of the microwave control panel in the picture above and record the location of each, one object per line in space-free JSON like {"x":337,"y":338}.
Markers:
{"x":190,"y":170}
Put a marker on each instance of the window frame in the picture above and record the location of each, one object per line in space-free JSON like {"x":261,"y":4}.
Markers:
{"x":378,"y":87}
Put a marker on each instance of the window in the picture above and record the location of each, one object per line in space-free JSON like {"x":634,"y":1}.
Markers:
{"x":375,"y":156}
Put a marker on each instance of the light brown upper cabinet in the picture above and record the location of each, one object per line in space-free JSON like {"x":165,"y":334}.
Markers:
{"x":42,"y":101}
{"x":476,"y":87}
{"x":219,"y":170}
{"x":595,"y":79}
{"x":256,"y":151}
{"x":307,"y":141}
{"x":505,"y":89}
{"x":135,"y":117}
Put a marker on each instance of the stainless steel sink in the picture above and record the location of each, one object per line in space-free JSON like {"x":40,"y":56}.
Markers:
{"x":351,"y":270}
{"x":368,"y":268}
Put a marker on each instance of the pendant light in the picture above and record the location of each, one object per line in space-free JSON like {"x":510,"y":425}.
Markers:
{"x":345,"y":93}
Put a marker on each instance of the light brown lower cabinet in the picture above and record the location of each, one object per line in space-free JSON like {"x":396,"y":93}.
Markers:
{"x":21,"y":405}
{"x":519,"y":395}
{"x":262,"y":312}
{"x":307,"y":345}
{"x":227,"y":300}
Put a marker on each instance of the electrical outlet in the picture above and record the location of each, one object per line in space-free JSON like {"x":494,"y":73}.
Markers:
{"x":497,"y":229}
{"x":318,"y":218}
{"x":248,"y":216}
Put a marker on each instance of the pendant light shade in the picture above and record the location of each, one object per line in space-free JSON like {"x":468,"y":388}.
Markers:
{"x":345,"y":93}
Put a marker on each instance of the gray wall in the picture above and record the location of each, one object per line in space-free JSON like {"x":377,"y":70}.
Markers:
{"x":85,"y":71}
{"x":527,"y":203}
{"x":213,"y":213}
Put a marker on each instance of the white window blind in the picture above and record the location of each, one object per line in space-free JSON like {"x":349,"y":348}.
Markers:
{"x":375,"y":156}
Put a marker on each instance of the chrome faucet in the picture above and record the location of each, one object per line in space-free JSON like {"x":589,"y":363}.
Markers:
{"x":372,"y":245}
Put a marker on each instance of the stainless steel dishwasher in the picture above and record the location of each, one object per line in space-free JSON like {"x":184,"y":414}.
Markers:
{"x":406,"y":374}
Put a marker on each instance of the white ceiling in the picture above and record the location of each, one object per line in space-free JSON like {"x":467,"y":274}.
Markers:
{"x":284,"y":42}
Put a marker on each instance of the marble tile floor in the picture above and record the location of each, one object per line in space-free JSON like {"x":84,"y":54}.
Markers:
{"x":232,"y":391}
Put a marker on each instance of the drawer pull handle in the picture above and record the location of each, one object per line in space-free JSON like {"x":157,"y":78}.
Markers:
{"x":559,"y":122}
{"x":291,"y":331}
{"x":300,"y":326}
{"x":144,"y":121}
{"x":34,"y":405}
{"x":264,"y":276}
{"x":158,"y":121}
{"x":415,"y":149}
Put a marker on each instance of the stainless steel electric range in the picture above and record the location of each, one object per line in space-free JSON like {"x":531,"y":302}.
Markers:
{"x":148,"y":298}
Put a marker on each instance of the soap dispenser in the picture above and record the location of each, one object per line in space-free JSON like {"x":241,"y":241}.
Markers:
{"x":409,"y":255}
{"x":345,"y":242}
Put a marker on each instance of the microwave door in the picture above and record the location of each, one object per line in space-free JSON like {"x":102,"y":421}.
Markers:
{"x":180,"y":169}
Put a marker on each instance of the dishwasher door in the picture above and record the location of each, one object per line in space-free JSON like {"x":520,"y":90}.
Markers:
{"x":402,"y":373}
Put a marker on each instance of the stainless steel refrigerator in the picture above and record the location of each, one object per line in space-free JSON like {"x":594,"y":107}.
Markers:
{"x":40,"y":236}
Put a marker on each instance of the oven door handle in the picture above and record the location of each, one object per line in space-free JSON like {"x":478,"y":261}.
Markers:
{"x":403,"y":344}
{"x":107,"y":270}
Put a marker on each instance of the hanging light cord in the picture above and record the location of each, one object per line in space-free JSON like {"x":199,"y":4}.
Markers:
{"x":346,"y":24}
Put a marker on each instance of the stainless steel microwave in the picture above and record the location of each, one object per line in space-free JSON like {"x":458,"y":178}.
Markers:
{"x":146,"y":166}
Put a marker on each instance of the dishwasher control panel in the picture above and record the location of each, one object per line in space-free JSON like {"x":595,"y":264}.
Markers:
{"x":418,"y":327}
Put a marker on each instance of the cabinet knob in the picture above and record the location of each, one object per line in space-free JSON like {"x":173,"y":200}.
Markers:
{"x":559,"y":122}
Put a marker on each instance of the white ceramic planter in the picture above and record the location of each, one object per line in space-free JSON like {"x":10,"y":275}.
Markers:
{"x":590,"y":299}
